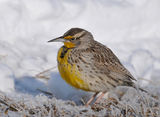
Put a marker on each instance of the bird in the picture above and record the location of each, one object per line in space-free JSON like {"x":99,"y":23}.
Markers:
{"x":86,"y":64}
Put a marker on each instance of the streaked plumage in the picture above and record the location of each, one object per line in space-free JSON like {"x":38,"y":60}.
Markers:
{"x":89,"y":65}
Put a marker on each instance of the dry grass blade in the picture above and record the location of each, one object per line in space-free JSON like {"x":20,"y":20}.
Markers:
{"x":45,"y":92}
{"x":9,"y":103}
{"x":150,"y":81}
{"x":45,"y":74}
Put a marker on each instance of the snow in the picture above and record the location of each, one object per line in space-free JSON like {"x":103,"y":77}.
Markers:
{"x":131,"y":28}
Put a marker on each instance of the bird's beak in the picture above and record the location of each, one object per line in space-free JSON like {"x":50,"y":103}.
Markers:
{"x":59,"y":39}
{"x":65,"y":40}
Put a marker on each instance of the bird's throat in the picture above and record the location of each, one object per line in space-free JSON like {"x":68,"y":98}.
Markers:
{"x":69,"y":44}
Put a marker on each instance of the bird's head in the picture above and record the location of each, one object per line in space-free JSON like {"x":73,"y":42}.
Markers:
{"x":74,"y":38}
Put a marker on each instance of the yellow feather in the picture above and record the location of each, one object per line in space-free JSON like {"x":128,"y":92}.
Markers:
{"x":69,"y":44}
{"x":70,"y":72}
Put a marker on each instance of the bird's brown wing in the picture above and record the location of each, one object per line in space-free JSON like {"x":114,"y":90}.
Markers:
{"x":105,"y":60}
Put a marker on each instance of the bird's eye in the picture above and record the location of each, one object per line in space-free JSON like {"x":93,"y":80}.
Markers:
{"x":73,"y":39}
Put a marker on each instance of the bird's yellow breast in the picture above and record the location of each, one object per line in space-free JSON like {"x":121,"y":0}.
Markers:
{"x":69,"y":72}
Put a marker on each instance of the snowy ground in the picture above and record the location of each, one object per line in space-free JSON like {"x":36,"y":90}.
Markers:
{"x":131,"y":28}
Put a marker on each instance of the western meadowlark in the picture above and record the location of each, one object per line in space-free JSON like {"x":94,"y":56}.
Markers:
{"x":89,"y":65}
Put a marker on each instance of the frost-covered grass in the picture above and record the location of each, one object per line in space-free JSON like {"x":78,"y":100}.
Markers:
{"x":131,"y":103}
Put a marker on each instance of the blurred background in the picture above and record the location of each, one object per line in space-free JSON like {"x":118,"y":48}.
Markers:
{"x":131,"y":28}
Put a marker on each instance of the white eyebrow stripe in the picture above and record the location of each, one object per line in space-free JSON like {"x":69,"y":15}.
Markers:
{"x":79,"y":34}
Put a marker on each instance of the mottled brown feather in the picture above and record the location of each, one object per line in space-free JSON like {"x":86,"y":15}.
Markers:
{"x":105,"y":61}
